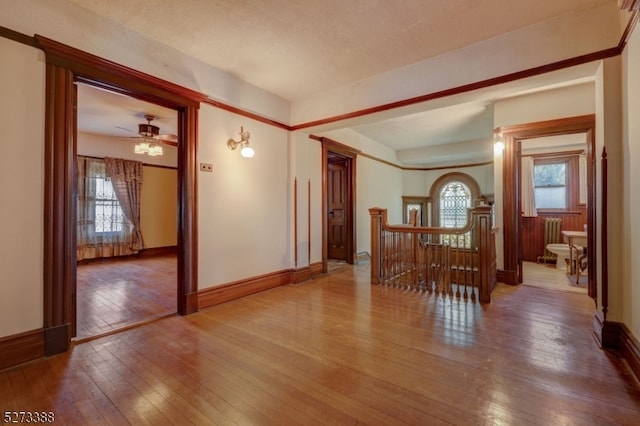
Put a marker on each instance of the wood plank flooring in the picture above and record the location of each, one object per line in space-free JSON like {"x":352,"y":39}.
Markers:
{"x":119,"y":292}
{"x":336,"y":350}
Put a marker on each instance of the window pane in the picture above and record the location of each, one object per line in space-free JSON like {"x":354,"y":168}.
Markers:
{"x":550,"y":186}
{"x":455,"y":199}
{"x":550,"y":174}
{"x":108,"y":214}
{"x":551,"y":197}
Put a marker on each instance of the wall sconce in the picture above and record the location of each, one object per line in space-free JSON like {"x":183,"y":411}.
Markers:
{"x":245,"y":150}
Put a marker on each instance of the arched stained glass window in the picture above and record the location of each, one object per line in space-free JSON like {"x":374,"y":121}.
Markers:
{"x":455,"y":199}
{"x":452,"y":194}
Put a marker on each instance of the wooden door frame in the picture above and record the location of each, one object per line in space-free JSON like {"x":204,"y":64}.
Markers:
{"x":512,"y":136}
{"x":64,"y":66}
{"x":331,"y":146}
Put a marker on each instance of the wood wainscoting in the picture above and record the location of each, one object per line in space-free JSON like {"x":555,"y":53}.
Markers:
{"x":533,"y":230}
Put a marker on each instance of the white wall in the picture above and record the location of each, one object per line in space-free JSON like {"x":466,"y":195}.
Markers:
{"x":548,"y":105}
{"x":609,"y":135}
{"x":306,"y":168}
{"x":419,"y":182}
{"x":378,"y":185}
{"x":631,"y":195}
{"x":244,"y":210}
{"x":22,"y":82}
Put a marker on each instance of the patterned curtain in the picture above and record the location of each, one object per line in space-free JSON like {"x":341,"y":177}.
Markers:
{"x":126,"y":178}
{"x":103,"y":227}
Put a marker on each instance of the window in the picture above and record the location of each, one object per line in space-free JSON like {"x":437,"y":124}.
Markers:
{"x":108,"y":216}
{"x":453,"y":194}
{"x":103,"y":227}
{"x":550,"y":182}
{"x":455,"y":199}
{"x":415,"y":203}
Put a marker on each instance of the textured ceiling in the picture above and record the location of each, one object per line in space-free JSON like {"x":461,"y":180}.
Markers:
{"x":295,"y":49}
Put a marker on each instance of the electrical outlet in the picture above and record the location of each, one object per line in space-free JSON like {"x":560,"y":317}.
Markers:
{"x":206,"y":167}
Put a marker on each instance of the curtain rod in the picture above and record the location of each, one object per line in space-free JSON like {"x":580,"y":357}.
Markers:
{"x":160,"y":166}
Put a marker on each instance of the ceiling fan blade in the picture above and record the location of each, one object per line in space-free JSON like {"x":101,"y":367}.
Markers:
{"x":125,"y":129}
{"x":169,"y":137}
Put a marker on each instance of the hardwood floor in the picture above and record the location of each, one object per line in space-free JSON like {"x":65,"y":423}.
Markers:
{"x":116,"y":293}
{"x":336,"y":350}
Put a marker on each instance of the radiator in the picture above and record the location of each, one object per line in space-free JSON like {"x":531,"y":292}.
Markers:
{"x":552,"y":227}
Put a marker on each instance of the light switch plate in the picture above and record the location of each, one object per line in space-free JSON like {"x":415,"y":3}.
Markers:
{"x":206,"y":167}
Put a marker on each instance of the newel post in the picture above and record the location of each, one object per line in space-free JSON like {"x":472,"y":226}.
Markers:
{"x":482,"y":225}
{"x":378,"y":217}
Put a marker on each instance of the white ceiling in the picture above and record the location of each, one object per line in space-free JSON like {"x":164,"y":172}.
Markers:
{"x":297,"y":48}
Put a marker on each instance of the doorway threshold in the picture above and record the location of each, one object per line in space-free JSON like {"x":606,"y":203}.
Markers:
{"x":77,"y":341}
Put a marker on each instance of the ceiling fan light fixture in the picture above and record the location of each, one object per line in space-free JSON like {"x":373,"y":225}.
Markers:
{"x":149,"y":145}
{"x":155,"y":150}
{"x":147,"y":129}
{"x":141,"y":148}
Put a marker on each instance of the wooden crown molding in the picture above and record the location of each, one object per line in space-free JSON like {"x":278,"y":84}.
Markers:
{"x":59,"y":50}
{"x":629,"y":5}
{"x":108,"y":74}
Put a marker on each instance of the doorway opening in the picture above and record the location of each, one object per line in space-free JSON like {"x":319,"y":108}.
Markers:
{"x":118,"y":288}
{"x":554,"y":202}
{"x":338,"y":203}
{"x":66,"y":66}
{"x":514,"y":137}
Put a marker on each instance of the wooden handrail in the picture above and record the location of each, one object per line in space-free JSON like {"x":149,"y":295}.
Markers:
{"x":401,"y":256}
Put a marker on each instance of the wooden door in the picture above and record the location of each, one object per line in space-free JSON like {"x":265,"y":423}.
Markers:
{"x":337,"y":198}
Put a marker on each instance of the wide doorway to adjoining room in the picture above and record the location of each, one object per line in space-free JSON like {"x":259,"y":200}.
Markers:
{"x":126,"y":212}
{"x":554,"y":188}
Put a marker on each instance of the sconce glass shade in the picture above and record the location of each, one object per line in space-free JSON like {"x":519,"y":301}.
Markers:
{"x":498,"y":147}
{"x":247,"y":151}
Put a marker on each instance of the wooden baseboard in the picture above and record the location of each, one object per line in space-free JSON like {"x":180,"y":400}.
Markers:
{"x":301,"y":274}
{"x":630,"y":350}
{"x":57,"y":339}
{"x":316,"y":269}
{"x":20,"y":348}
{"x":147,"y":252}
{"x":235,"y":290}
{"x":617,"y":336}
{"x":507,"y":277}
{"x":158,"y":251}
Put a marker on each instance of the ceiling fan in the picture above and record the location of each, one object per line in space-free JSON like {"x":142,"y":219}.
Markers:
{"x":151,"y":138}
